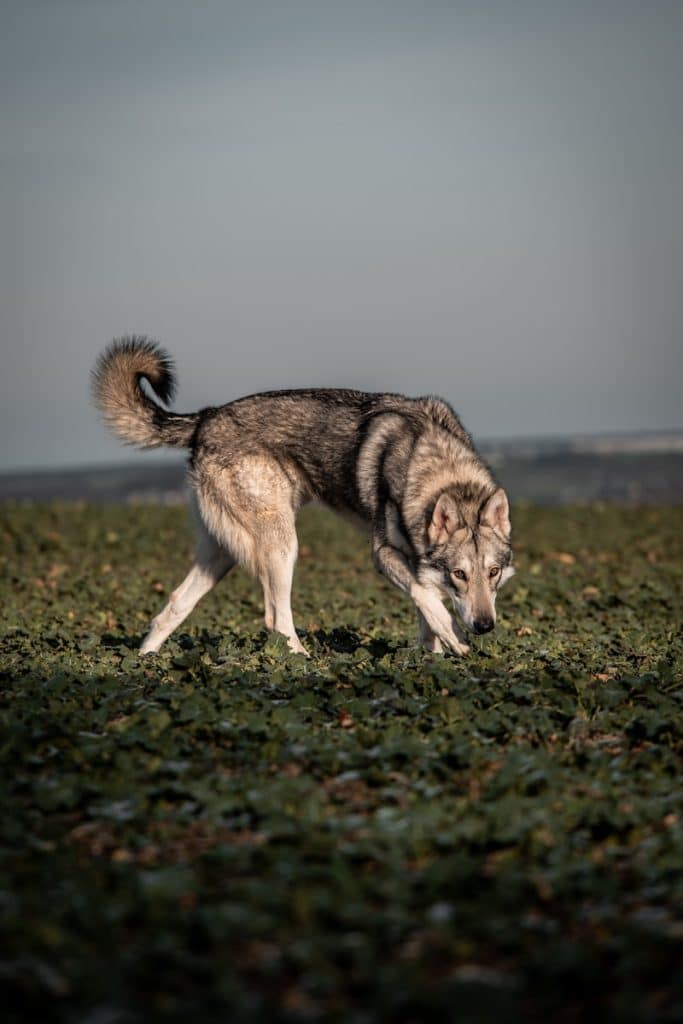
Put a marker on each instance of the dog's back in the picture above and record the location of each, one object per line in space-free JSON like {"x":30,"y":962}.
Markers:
{"x":318,"y":437}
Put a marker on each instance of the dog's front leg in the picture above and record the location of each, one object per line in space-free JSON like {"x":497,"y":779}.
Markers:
{"x":394,"y":565}
{"x":426,"y":638}
{"x":438,"y":619}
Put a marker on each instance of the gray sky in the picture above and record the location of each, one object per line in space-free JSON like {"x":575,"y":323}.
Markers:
{"x":481,"y":200}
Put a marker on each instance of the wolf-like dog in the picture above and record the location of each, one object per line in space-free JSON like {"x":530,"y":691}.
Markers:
{"x":405,"y":468}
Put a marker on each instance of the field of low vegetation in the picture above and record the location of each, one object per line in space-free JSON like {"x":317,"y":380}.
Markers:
{"x":227,"y":832}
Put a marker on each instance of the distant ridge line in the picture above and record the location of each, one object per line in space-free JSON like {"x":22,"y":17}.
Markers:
{"x":635,"y":469}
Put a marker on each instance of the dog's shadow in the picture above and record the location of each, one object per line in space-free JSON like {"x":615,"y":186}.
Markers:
{"x":342,"y":640}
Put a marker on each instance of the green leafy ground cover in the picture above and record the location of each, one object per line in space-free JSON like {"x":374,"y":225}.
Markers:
{"x":227,"y":832}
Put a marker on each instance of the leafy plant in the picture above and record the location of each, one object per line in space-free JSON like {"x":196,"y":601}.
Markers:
{"x":229,"y":831}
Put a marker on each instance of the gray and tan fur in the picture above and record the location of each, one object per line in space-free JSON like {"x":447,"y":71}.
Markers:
{"x":403,"y":467}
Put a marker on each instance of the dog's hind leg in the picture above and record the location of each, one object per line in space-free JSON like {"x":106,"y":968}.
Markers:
{"x":250,"y":505}
{"x":211,"y":564}
{"x":276,"y":570}
{"x":426,"y":638}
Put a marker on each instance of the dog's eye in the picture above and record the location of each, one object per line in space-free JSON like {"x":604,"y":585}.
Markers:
{"x":459,"y":574}
{"x":493,"y":571}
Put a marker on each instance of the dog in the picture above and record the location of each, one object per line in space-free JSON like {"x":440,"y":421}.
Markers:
{"x":403,"y":468}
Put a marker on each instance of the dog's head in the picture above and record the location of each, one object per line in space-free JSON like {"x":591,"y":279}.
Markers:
{"x":469,"y":555}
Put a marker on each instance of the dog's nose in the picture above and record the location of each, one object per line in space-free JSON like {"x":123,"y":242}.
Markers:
{"x":483,"y":625}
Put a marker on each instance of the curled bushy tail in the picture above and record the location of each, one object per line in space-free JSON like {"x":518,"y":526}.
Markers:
{"x":132,"y":414}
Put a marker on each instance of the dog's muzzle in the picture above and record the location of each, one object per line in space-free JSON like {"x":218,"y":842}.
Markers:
{"x":483,"y":625}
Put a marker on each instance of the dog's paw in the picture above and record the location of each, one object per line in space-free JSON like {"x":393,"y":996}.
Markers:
{"x":436,"y":645}
{"x":296,"y":647}
{"x":460,"y":648}
{"x":148,"y":646}
{"x":431,"y":644}
{"x":439,"y":620}
{"x":452,"y":643}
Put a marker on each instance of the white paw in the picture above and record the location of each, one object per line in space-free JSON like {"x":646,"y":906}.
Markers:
{"x":296,"y":647}
{"x":438,"y":619}
{"x":148,"y":645}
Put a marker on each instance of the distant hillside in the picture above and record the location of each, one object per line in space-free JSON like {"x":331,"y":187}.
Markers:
{"x":626,"y":469}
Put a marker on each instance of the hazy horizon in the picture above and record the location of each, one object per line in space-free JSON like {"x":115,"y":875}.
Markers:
{"x":483,"y":202}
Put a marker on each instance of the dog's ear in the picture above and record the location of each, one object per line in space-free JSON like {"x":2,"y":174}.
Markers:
{"x":445,"y":519}
{"x":496,"y":513}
